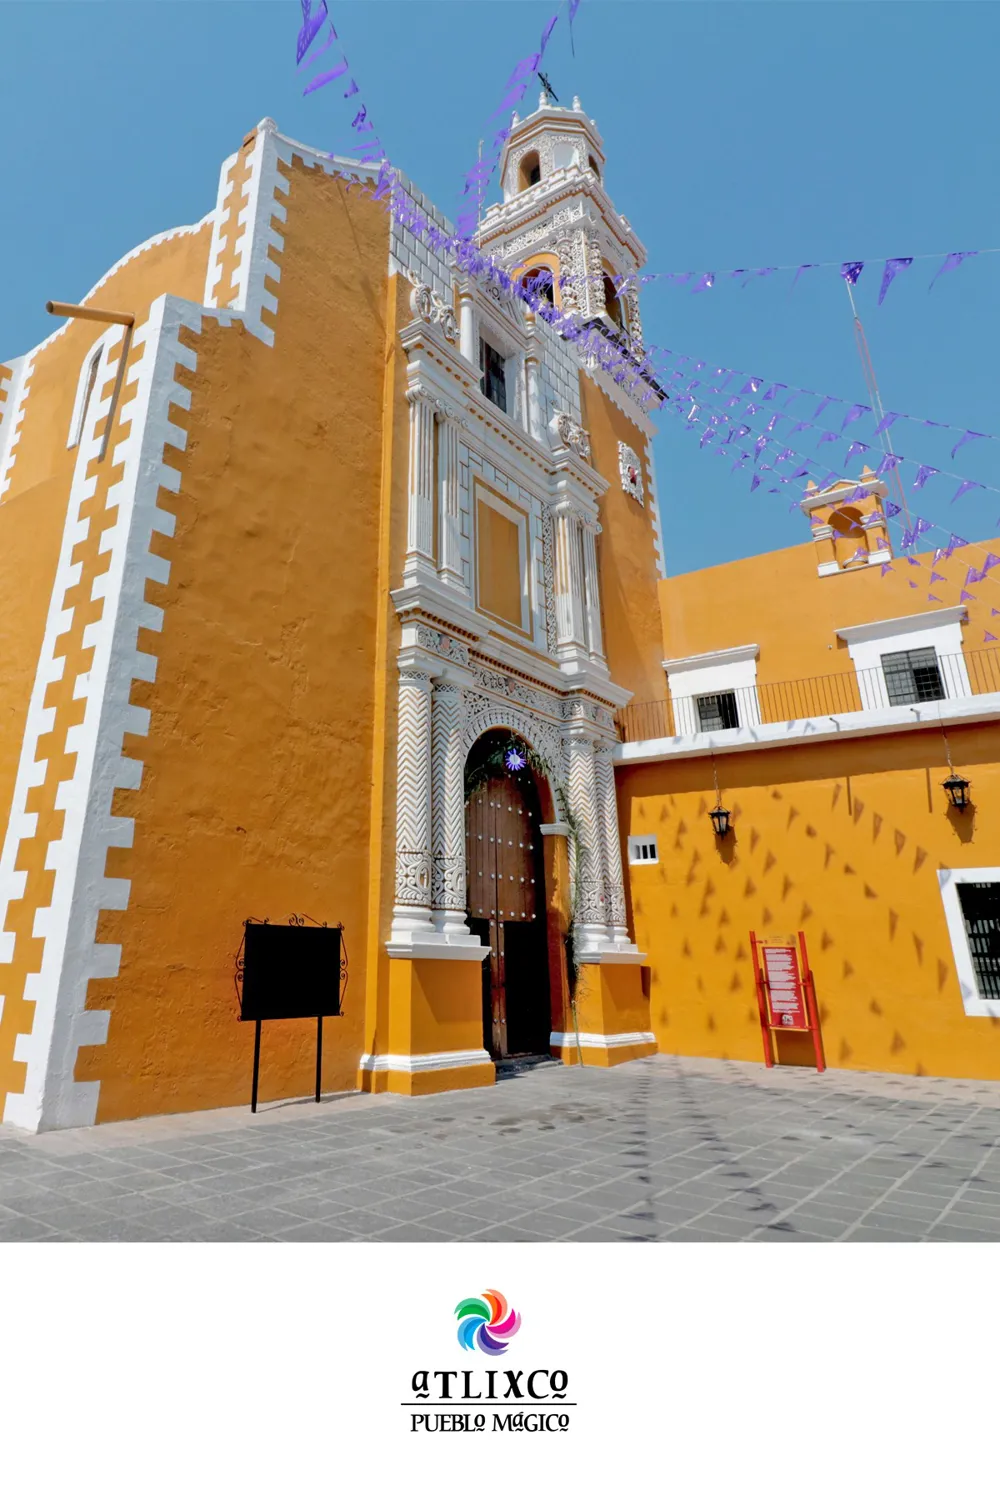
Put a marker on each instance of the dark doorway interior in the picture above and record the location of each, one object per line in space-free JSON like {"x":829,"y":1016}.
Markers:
{"x":506,"y":896}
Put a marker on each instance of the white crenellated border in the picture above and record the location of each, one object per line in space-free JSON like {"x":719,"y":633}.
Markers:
{"x":13,"y":415}
{"x":973,"y":1003}
{"x":422,"y":1062}
{"x":81,"y":891}
{"x":213,"y":273}
{"x":604,"y":1043}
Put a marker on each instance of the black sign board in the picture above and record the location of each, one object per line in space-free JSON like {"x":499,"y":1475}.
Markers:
{"x":290,"y":972}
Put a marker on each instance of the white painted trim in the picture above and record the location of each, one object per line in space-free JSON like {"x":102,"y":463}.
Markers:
{"x":94,"y":353}
{"x":605,"y":1043}
{"x":733,"y":670}
{"x":638,"y":841}
{"x":837,"y":493}
{"x":422,"y":1062}
{"x":878,"y":630}
{"x":724,"y":658}
{"x":609,"y":955}
{"x":473,"y":951}
{"x":13,"y":415}
{"x":939,"y":630}
{"x":983,"y":707}
{"x":973,"y":1003}
{"x":558,"y":829}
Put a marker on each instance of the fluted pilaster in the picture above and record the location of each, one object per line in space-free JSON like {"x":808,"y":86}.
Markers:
{"x":420,"y":515}
{"x":449,"y":517}
{"x":588,"y":883}
{"x":448,"y":808}
{"x":413,"y":803}
{"x":569,"y":587}
{"x":611,"y":853}
{"x":591,"y":590}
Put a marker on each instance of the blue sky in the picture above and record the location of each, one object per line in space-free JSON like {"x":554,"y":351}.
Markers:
{"x":737,"y":134}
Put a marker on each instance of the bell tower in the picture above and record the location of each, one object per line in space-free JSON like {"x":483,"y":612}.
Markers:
{"x":557,"y":218}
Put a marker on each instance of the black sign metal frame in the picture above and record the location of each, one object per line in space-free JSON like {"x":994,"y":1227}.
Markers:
{"x":297,"y":919}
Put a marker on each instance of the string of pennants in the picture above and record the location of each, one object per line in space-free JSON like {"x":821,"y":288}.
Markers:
{"x":622,"y":366}
{"x":774,"y":390}
{"x":850,"y":270}
{"x":910,"y":535}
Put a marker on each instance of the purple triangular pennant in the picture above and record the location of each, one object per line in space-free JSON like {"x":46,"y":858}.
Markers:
{"x":892,"y":269}
{"x":950,"y":262}
{"x":967,"y":437}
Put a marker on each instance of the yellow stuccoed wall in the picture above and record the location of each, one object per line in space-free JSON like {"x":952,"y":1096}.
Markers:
{"x":630,"y":608}
{"x":842,"y":841}
{"x":255,"y":799}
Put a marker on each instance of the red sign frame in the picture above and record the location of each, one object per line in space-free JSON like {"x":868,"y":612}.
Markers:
{"x":786,"y":994}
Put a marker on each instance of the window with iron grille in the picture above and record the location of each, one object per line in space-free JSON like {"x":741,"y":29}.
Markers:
{"x":494,"y":382}
{"x":717,"y":711}
{"x":912,"y":676}
{"x":980,"y":902}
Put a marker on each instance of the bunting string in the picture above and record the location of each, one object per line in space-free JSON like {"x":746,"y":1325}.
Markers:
{"x":366,"y":146}
{"x":478,"y":177}
{"x":850,"y":270}
{"x":774,"y":390}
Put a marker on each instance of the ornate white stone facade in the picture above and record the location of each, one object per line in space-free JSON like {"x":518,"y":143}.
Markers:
{"x":462,"y":672}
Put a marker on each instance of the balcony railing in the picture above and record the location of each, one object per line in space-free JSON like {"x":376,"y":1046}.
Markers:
{"x":963,"y":675}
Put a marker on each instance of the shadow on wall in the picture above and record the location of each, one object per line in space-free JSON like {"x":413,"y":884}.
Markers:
{"x":837,"y":840}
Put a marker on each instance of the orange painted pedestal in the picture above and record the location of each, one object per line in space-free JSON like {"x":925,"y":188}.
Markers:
{"x":434,"y":1038}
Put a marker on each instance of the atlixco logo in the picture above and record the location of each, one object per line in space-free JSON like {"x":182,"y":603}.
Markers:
{"x":486,"y":1323}
{"x":457,"y":1400}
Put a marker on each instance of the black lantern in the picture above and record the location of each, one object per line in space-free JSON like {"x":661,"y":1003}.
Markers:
{"x":958,"y":790}
{"x":720,"y":821}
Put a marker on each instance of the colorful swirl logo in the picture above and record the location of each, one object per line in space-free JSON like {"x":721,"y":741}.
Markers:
{"x":486,"y":1323}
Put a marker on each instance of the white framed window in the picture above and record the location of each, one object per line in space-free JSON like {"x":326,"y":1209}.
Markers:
{"x":972,"y":911}
{"x":714,"y":691}
{"x":915,"y":659}
{"x":643,"y":850}
{"x":85,"y":387}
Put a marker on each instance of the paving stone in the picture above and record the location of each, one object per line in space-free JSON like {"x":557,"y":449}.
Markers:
{"x":662,"y":1148}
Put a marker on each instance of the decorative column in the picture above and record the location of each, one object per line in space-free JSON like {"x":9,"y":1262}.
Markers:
{"x":595,"y":638}
{"x":588,"y":874}
{"x":535,"y":416}
{"x":449,"y":518}
{"x":570,"y":627}
{"x":467,"y":324}
{"x":448,"y":810}
{"x":420,"y":524}
{"x":412,"y":912}
{"x":611,"y":851}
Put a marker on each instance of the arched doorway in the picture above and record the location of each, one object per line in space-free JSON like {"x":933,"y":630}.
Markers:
{"x":506,"y":896}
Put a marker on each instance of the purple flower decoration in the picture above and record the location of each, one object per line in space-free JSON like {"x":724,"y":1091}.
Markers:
{"x":514,"y":759}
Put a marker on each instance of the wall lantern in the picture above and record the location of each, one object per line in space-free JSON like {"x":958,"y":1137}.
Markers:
{"x":720,"y":821}
{"x":958,"y":790}
{"x":719,"y":814}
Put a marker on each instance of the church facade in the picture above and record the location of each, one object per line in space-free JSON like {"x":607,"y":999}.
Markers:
{"x":328,"y":570}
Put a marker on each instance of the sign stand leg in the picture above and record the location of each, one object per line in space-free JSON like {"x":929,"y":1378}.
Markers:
{"x":319,"y":1055}
{"x":765,"y":1033}
{"x":256,"y":1067}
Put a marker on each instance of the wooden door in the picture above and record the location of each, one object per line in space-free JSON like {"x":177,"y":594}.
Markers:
{"x":507,"y":908}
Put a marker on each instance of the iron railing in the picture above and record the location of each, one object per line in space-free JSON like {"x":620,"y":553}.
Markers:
{"x":963,"y":675}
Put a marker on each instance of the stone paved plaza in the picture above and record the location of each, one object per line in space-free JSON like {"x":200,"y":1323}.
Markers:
{"x":661,"y":1149}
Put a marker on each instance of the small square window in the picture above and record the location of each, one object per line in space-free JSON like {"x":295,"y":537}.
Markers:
{"x":494,"y":368}
{"x":642,"y":850}
{"x":717,"y":711}
{"x":912,"y":676}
